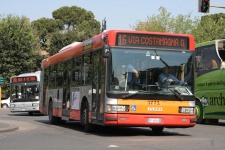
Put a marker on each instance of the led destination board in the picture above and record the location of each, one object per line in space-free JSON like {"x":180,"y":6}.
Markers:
{"x":24,"y":79}
{"x":152,"y":41}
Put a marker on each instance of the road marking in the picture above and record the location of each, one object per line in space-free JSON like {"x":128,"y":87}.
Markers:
{"x":113,"y":146}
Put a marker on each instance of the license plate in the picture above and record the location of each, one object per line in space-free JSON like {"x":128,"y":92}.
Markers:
{"x":154,"y":120}
{"x":22,"y":109}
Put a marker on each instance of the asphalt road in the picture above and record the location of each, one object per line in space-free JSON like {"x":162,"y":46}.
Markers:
{"x":35,"y":133}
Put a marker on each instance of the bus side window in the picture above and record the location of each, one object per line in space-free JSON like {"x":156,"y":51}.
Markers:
{"x":213,"y":65}
{"x":59,"y":78}
{"x":52,"y":75}
{"x":87,"y":68}
{"x":76,"y":72}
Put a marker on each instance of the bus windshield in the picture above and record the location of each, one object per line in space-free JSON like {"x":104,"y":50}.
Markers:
{"x":149,"y":63}
{"x":25,"y":92}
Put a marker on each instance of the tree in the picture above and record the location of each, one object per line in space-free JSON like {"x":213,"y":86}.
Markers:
{"x":79,"y":25}
{"x":45,"y":28}
{"x":70,"y":24}
{"x":72,"y":16}
{"x":164,"y":22}
{"x":210,"y":27}
{"x":18,"y":47}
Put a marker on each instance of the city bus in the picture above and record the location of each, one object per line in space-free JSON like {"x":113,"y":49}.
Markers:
{"x":24,"y":93}
{"x":87,"y":81}
{"x":210,"y":81}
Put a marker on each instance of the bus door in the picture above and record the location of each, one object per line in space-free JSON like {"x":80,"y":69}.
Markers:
{"x":66,"y":90}
{"x":97,"y":87}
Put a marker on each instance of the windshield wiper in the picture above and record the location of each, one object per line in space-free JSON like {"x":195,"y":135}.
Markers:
{"x":176,"y":94}
{"x":138,"y":92}
{"x":132,"y":94}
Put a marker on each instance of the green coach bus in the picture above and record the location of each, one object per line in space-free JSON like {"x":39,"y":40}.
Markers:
{"x":210,"y":81}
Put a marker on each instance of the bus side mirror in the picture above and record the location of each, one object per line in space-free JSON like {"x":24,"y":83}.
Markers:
{"x":106,"y":51}
{"x":198,"y":62}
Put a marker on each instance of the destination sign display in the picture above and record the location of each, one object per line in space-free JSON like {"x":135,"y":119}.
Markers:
{"x":24,"y":79}
{"x":152,"y":41}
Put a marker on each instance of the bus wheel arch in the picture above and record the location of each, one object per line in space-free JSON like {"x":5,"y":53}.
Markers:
{"x":52,"y":119}
{"x":85,"y":109}
{"x":199,"y":112}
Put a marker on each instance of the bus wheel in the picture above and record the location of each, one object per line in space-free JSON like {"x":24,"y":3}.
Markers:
{"x":157,"y":130}
{"x":199,"y":112}
{"x":30,"y":113}
{"x":52,"y":119}
{"x":85,"y":117}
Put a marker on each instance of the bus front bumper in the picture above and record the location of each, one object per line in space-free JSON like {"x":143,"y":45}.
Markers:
{"x":17,"y":107}
{"x":181,"y":121}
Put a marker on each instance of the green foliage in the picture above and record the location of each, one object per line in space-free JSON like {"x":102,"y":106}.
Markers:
{"x":60,"y":40}
{"x":210,"y":27}
{"x":72,"y":16}
{"x":164,"y":22}
{"x":18,"y":47}
{"x":70,"y":24}
{"x":79,"y":25}
{"x":45,"y":27}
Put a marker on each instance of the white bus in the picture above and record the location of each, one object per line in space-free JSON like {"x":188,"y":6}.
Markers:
{"x":24,"y":92}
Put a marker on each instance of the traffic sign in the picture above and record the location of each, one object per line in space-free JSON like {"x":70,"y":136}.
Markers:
{"x":2,"y":80}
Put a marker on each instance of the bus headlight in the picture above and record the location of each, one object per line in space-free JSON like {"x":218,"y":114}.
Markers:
{"x":12,"y":105}
{"x":187,"y":110}
{"x":34,"y":104}
{"x":116,"y":108}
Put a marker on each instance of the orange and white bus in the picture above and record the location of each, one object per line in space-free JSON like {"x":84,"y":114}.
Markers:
{"x":88,"y":81}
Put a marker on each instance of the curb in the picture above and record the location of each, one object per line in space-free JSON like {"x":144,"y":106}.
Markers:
{"x":7,"y":127}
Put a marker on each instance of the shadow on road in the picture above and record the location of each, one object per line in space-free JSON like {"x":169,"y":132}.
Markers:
{"x":115,"y":131}
{"x":24,"y":114}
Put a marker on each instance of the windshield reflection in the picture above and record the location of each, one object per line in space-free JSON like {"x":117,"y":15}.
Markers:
{"x":139,"y":69}
{"x":25,"y":91}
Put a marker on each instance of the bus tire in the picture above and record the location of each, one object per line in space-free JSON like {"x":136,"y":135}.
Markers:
{"x":30,"y":113}
{"x":199,"y":112}
{"x":85,"y":117}
{"x":157,"y":130}
{"x":52,"y":119}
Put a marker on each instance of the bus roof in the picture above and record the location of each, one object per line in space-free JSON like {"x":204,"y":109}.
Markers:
{"x":37,"y":73}
{"x":97,"y":42}
{"x":208,"y":43}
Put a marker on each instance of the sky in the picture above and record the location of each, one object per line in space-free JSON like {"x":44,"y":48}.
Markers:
{"x":119,"y":14}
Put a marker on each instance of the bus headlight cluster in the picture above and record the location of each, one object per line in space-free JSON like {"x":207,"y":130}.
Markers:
{"x":12,"y":105}
{"x":116,"y":108}
{"x":34,"y":104}
{"x":187,"y":110}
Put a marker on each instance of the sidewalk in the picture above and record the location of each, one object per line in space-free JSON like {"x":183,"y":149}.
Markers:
{"x":5,"y":127}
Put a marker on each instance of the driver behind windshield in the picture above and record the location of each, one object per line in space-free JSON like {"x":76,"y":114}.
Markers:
{"x":165,"y":78}
{"x":133,"y":74}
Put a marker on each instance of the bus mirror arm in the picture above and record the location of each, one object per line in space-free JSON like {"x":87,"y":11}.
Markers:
{"x":106,"y":51}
